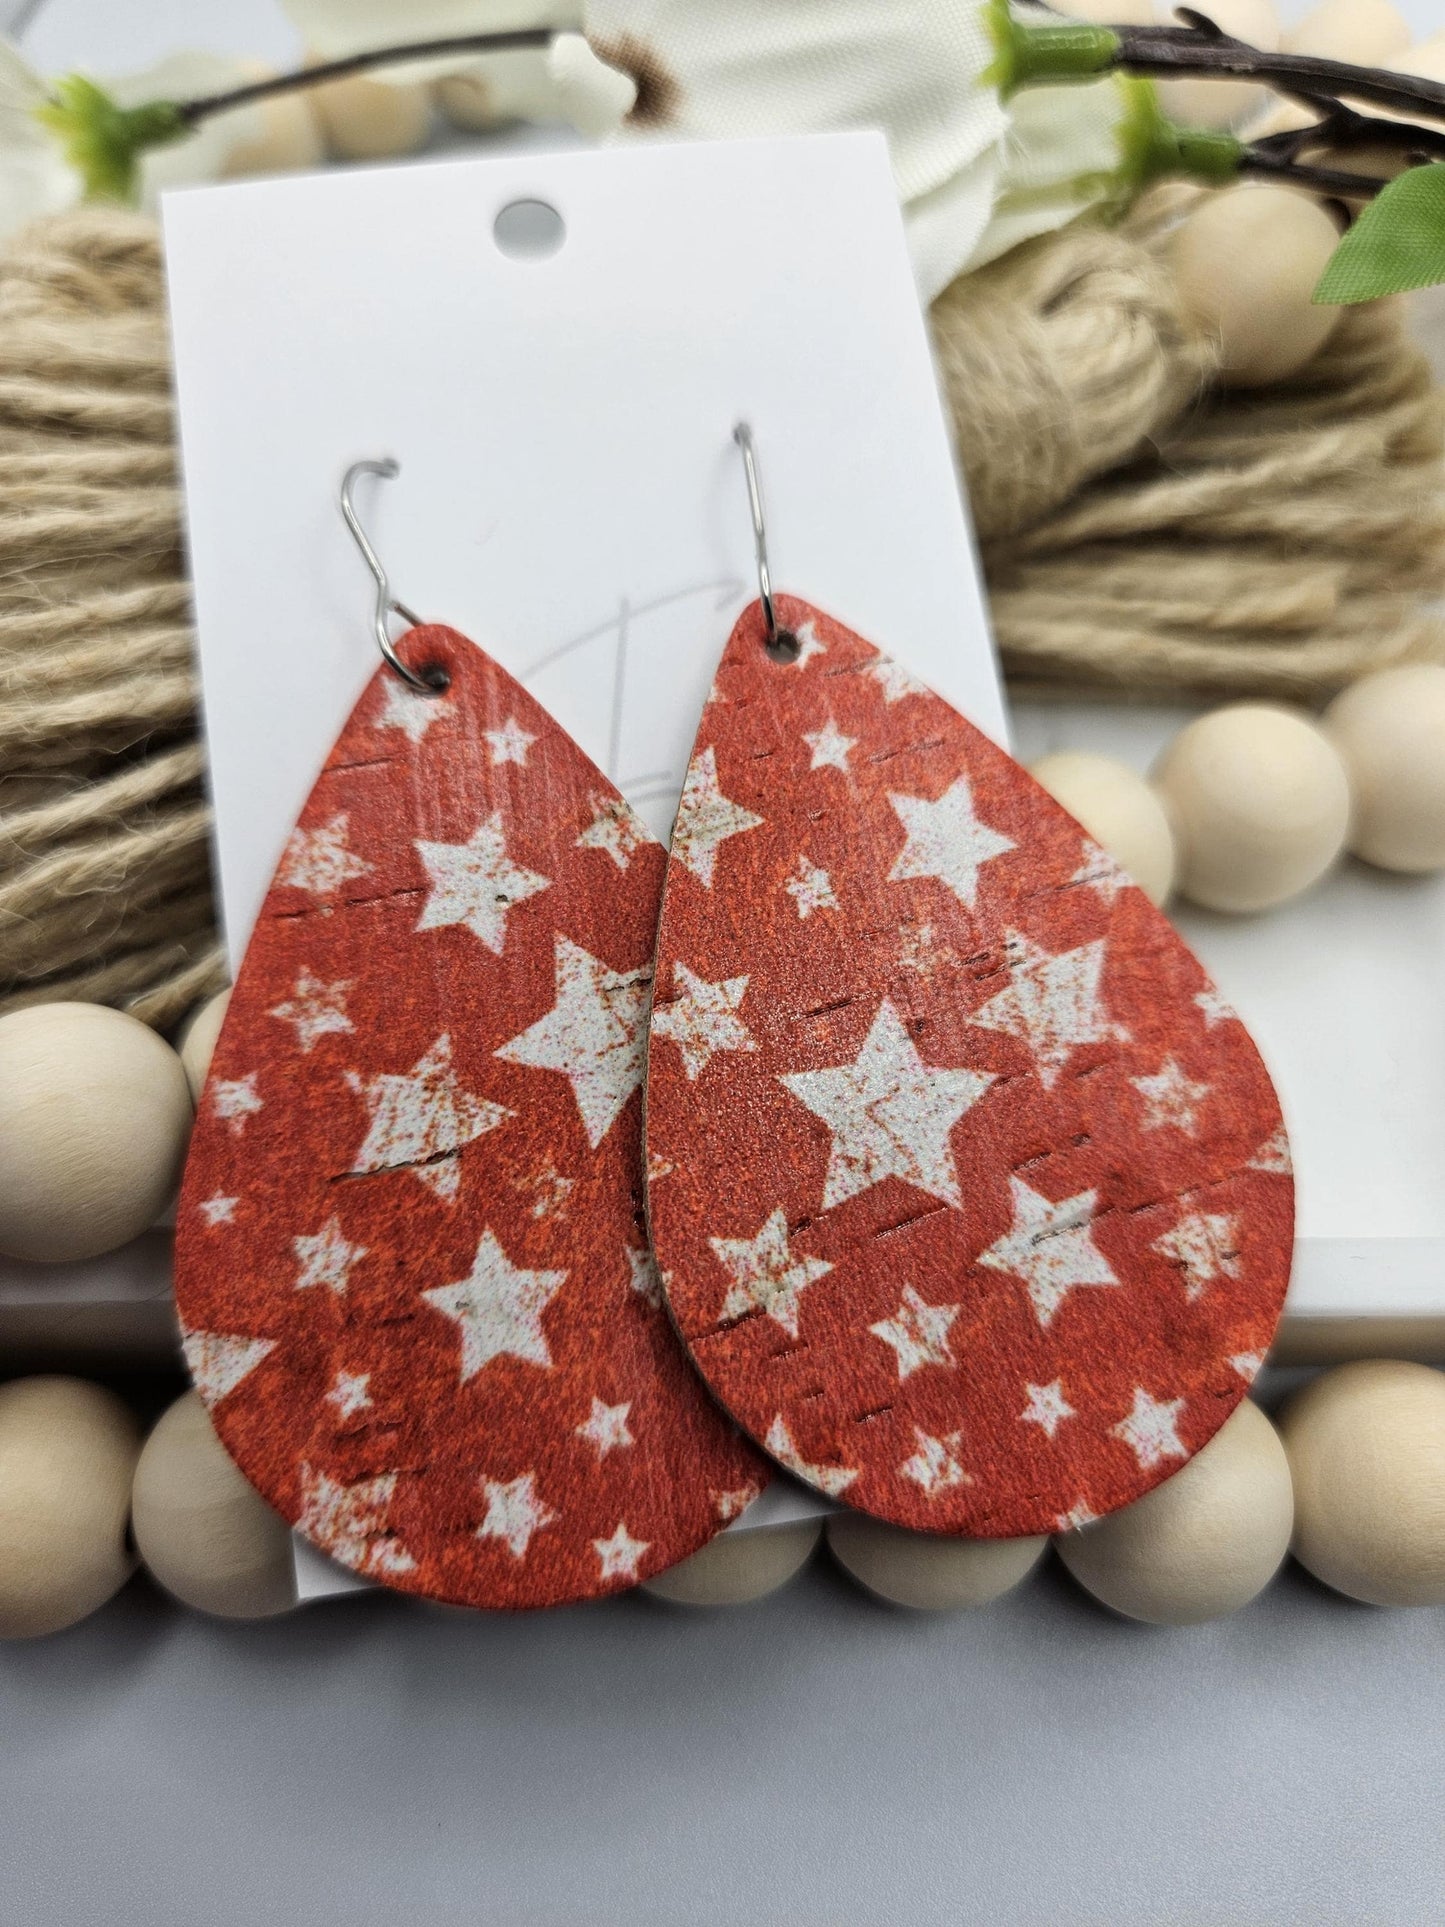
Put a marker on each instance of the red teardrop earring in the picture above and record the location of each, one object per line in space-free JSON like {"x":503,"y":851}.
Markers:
{"x":411,"y":1265}
{"x":973,"y":1196}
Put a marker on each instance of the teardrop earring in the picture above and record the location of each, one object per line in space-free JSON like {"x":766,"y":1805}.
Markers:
{"x":972,"y":1195}
{"x":411,"y":1264}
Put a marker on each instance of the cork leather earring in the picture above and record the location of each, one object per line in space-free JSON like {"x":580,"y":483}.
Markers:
{"x":411,"y":1264}
{"x":971,"y":1195}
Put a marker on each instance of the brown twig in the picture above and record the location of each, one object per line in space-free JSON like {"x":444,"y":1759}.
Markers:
{"x":193,"y":112}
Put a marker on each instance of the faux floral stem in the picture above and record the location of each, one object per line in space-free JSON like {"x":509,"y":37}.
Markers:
{"x":193,"y":112}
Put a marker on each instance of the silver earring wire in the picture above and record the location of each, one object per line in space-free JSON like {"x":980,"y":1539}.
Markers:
{"x":777,"y":641}
{"x":386,"y":602}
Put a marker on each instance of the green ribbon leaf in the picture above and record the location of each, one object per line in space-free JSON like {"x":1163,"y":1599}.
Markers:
{"x":1397,"y":243}
{"x":104,"y":141}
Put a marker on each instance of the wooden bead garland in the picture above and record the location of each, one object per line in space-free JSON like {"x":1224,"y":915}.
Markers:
{"x":925,"y":1573}
{"x":198,"y":1040}
{"x":738,"y":1567}
{"x":1389,"y":730}
{"x":1205,"y":1542}
{"x":94,"y":1116}
{"x":1119,"y":810}
{"x":67,"y":1449}
{"x":203,"y":1531}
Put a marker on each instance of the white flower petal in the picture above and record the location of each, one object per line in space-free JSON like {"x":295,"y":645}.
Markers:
{"x":335,"y":28}
{"x":35,"y":177}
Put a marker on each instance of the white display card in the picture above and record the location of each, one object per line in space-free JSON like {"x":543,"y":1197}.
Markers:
{"x":570,"y":494}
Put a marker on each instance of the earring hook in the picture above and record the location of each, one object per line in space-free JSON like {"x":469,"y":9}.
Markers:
{"x":778,"y":642}
{"x":386,"y":603}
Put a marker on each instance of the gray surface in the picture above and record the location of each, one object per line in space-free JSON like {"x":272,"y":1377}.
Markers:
{"x":813,"y":1759}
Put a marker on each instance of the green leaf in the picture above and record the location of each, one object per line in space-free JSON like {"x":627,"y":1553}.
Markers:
{"x":104,"y":141}
{"x":1397,"y":243}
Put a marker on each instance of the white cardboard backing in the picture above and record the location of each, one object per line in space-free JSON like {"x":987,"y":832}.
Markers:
{"x":570,"y":494}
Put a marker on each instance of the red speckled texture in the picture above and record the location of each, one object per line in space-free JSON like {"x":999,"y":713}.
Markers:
{"x":970,"y":1193}
{"x":410,"y":1257}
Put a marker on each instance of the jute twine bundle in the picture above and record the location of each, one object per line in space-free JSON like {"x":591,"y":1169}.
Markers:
{"x":1135,"y":535}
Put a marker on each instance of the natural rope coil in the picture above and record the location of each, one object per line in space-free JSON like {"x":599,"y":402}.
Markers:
{"x":1138,"y":534}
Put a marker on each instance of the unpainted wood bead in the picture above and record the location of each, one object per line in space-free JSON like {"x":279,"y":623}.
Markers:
{"x":1366,"y":1443}
{"x":94,"y":1116}
{"x":1223,"y":103}
{"x":513,"y":85}
{"x":1246,"y":263}
{"x":202,"y":1529}
{"x":286,"y":137}
{"x":197,"y":1042}
{"x":1202,"y":1544}
{"x":364,"y":119}
{"x":926,"y":1572}
{"x":1389,"y":728}
{"x":738,"y":1567}
{"x":1260,"y":804}
{"x":1367,"y":33}
{"x":1118,"y":809}
{"x":67,"y":1449}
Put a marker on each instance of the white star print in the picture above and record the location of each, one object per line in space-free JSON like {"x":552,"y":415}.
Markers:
{"x":894,"y":680}
{"x":1150,"y":1431}
{"x":1050,"y":1247}
{"x":658,"y":1168}
{"x":705,"y":819}
{"x":918,"y":1333}
{"x":550,"y":1191}
{"x":830,"y":747}
{"x":607,"y":1428}
{"x":1052,"y":1002}
{"x":646,"y":1279}
{"x":314,"y":1009}
{"x":620,"y":1554}
{"x":420,"y":1119}
{"x":1076,"y":1517}
{"x":326,"y":1258}
{"x":811,"y":888}
{"x":832,"y":1479}
{"x":765,"y":1275}
{"x":890,"y":1114}
{"x":218,"y":1361}
{"x":1205,"y":1247}
{"x":730,"y":1504}
{"x":349,"y":1393}
{"x":498,"y":1307}
{"x":476,"y":884}
{"x":514,"y":1512}
{"x":218,"y":1210}
{"x":1047,"y":1407}
{"x":1273,"y":1155}
{"x":1249,"y":1365}
{"x":409,"y":710}
{"x":595,"y":1035}
{"x":933,"y":1466}
{"x":807,"y":634}
{"x":510,"y":743}
{"x":235,"y":1100}
{"x":319,"y":860}
{"x":350,"y":1521}
{"x":1099,"y":872}
{"x":946,"y":840}
{"x":1217,"y":1009}
{"x":701,"y":1019}
{"x":616,"y":829}
{"x":1171,"y":1099}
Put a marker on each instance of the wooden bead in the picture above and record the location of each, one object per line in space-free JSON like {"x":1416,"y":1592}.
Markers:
{"x":1260,"y":804}
{"x":1390,"y":731}
{"x":203,"y":1531}
{"x":926,"y":1573}
{"x":362,"y":119}
{"x":737,"y":1567}
{"x":1223,"y":103}
{"x":198,"y":1040}
{"x":67,"y":1450}
{"x":503,"y":87}
{"x":1366,"y":32}
{"x":1246,"y":264}
{"x":94,"y":1113}
{"x":286,"y":136}
{"x":1366,"y":1443}
{"x":1205,"y":1542}
{"x":1119,"y":810}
